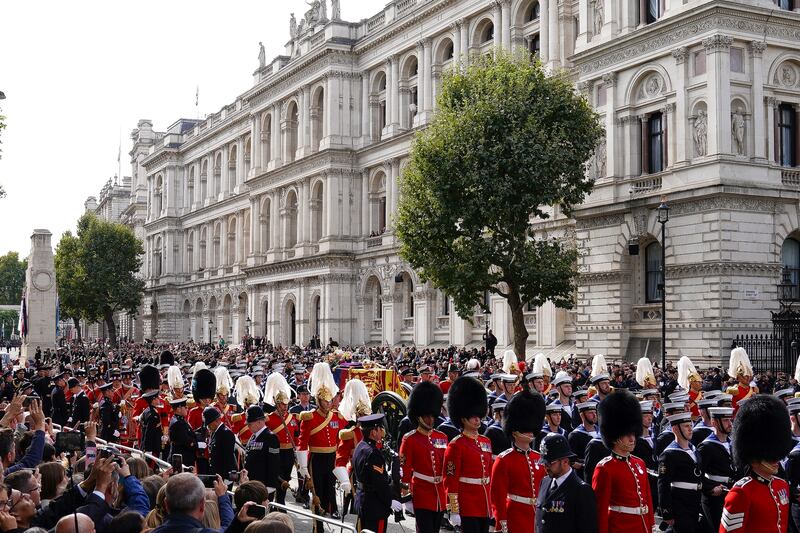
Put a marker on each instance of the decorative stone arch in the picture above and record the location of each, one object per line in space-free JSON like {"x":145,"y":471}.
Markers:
{"x":317,"y":207}
{"x":409,"y":65}
{"x":315,"y":313}
{"x":216,"y":244}
{"x":248,"y":153}
{"x":741,"y":126}
{"x":289,"y":212}
{"x":378,"y":200}
{"x":698,"y":114}
{"x":378,"y":81}
{"x":265,"y":142}
{"x":366,"y":278}
{"x":317,"y":116}
{"x":190,"y":186}
{"x":204,"y":192}
{"x":265,"y":223}
{"x":443,"y":50}
{"x":372,"y":290}
{"x":650,"y":83}
{"x":482,"y":31}
{"x":233,"y":155}
{"x":199,"y":305}
{"x":244,"y":247}
{"x":290,"y":118}
{"x":522,"y":11}
{"x":403,"y":289}
{"x":230,"y":240}
{"x":784,"y":71}
{"x":227,"y":323}
{"x":242,"y":314}
{"x":261,"y":317}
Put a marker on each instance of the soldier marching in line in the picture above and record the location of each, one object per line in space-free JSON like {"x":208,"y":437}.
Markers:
{"x":354,"y":405}
{"x":109,"y":414}
{"x":284,"y":425}
{"x":373,"y":499}
{"x":716,"y":462}
{"x":262,"y":460}
{"x":680,"y":478}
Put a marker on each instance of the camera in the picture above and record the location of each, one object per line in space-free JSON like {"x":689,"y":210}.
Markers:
{"x":257,"y":511}
{"x":70,"y":442}
{"x":233,"y":475}
{"x":107,"y":452}
{"x":208,"y":480}
{"x":26,"y":403}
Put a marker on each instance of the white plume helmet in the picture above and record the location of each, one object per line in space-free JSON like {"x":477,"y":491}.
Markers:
{"x":321,"y":383}
{"x":224,"y":381}
{"x":246,"y":391}
{"x":542,"y":365}
{"x":472,"y":365}
{"x":510,"y":362}
{"x":599,"y":366}
{"x":277,"y":390}
{"x":355,"y":400}
{"x":687,"y":373}
{"x":174,"y":377}
{"x":198,"y":366}
{"x":739,"y":363}
{"x":645,"y":376}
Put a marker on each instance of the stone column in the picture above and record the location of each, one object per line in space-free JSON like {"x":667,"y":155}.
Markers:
{"x":255,"y":145}
{"x":275,"y":221}
{"x":464,"y":42}
{"x":223,"y":242}
{"x":255,"y":226}
{"x":679,"y":138}
{"x":505,"y":10}
{"x":642,"y":12}
{"x":718,"y":79}
{"x":365,"y":207}
{"x":239,"y":255}
{"x":304,"y":213}
{"x":395,"y":90}
{"x":223,"y":191}
{"x":196,"y":247}
{"x":554,"y":37}
{"x":609,"y":85}
{"x":394,"y":173}
{"x":456,"y":29}
{"x":276,"y":135}
{"x":757,"y":66}
{"x":669,"y":138}
{"x":426,"y":97}
{"x":240,"y":174}
{"x":366,"y":134}
{"x":544,"y":31}
{"x":497,"y":19}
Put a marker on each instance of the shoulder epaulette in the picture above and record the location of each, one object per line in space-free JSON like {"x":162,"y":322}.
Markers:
{"x":306,"y":415}
{"x":604,"y":460}
{"x":346,"y":434}
{"x":732,"y":390}
{"x":236,"y":417}
{"x":456,"y":437}
{"x":508,"y":451}
{"x":408,"y":434}
{"x":744,"y":481}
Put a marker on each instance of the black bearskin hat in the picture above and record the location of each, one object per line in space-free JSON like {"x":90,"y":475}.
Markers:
{"x":166,"y":358}
{"x":524,"y":413}
{"x":620,"y":414}
{"x":761,"y":430}
{"x":467,"y":398}
{"x":204,"y":385}
{"x":149,"y":378}
{"x":426,"y":399}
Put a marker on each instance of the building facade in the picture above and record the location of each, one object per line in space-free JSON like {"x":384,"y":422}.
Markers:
{"x":274,"y":216}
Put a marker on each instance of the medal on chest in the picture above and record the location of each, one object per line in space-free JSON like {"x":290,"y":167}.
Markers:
{"x":556,"y":506}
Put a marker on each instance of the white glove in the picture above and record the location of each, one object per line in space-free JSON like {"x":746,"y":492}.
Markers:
{"x":340,"y":473}
{"x":302,"y":462}
{"x":455,"y":519}
{"x":396,"y":506}
{"x":165,"y":439}
{"x":409,"y":506}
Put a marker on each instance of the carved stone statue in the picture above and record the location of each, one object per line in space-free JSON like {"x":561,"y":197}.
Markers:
{"x":323,"y":10}
{"x":293,"y":27}
{"x":737,"y":131}
{"x":700,"y":133}
{"x":599,"y":16}
{"x":313,"y":15}
{"x":336,"y":10}
{"x":262,"y":55}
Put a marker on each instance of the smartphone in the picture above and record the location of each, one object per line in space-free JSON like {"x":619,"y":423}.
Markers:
{"x":176,"y":461}
{"x":208,"y":480}
{"x":233,"y":475}
{"x":26,"y":403}
{"x":70,"y":441}
{"x":257,"y":511}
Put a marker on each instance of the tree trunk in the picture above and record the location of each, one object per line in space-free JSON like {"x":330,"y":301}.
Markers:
{"x":108,"y":316}
{"x":518,"y":322}
{"x":77,"y":323}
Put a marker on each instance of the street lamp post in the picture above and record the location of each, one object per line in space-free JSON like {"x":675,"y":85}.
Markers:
{"x":247,"y":328}
{"x":210,"y":325}
{"x":663,"y":218}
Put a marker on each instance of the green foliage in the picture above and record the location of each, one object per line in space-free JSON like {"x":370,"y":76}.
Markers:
{"x":12,"y":278}
{"x":507,"y":141}
{"x":96,"y":271}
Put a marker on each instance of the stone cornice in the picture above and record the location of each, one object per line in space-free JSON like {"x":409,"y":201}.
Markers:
{"x":163,"y":223}
{"x":298,"y":266}
{"x":395,"y":29}
{"x":343,"y":160}
{"x":598,"y":278}
{"x":161,"y":156}
{"x":723,"y":268}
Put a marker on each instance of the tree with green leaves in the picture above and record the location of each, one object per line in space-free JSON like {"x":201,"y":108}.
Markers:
{"x":12,"y":278}
{"x":506,"y":144}
{"x":97,"y":271}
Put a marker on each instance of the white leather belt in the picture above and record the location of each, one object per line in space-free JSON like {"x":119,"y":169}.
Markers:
{"x":718,"y":479}
{"x":652,"y":472}
{"x":474,"y":480}
{"x":429,"y":479}
{"x":521,"y":499}
{"x":643,"y":510}
{"x":685,"y":485}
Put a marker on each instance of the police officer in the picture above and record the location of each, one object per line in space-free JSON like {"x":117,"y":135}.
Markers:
{"x":373,"y":500}
{"x":221,"y":445}
{"x":263,"y":460}
{"x":150,"y":423}
{"x":716,"y":463}
{"x":80,"y":404}
{"x":109,"y":414}
{"x":680,"y":479}
{"x":181,"y":436}
{"x":565,"y":503}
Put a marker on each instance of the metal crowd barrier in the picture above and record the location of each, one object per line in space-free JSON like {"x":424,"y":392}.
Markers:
{"x":341,"y":526}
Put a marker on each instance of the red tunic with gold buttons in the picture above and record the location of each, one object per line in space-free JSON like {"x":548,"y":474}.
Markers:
{"x":320,"y":433}
{"x":468,"y":467}
{"x":516,"y":478}
{"x":348,"y":440}
{"x":623,"y":497}
{"x":694,"y":397}
{"x":740,"y":392}
{"x":239,"y":427}
{"x":756,"y":505}
{"x":284,"y":429}
{"x":422,"y":466}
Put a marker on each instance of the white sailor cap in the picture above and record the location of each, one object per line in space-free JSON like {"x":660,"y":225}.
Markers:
{"x":680,"y":418}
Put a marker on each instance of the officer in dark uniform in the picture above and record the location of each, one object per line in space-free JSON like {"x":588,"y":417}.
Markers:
{"x":703,"y":428}
{"x":666,"y":436}
{"x":494,"y":431}
{"x":42,"y":384}
{"x":222,"y":459}
{"x":373,"y":502}
{"x":716,"y":462}
{"x":80,"y":404}
{"x":645,"y":449}
{"x":59,"y":400}
{"x":304,"y":403}
{"x":181,"y":436}
{"x":150,"y":422}
{"x":109,"y":414}
{"x":680,"y":479}
{"x":565,"y":503}
{"x":263,"y":450}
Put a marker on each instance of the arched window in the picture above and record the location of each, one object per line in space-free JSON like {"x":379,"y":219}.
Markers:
{"x":317,"y":312}
{"x":653,"y":275}
{"x":448,"y":51}
{"x":787,"y":129}
{"x":790,"y":255}
{"x":533,"y":13}
{"x":655,"y":148}
{"x":653,"y":10}
{"x":487,"y":33}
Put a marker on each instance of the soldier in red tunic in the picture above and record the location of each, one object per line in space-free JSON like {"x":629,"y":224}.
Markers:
{"x":354,"y":405}
{"x":620,"y":481}
{"x":452,"y":374}
{"x":740,"y":367}
{"x":246,"y":393}
{"x":284,"y":425}
{"x":690,"y":381}
{"x":149,"y":381}
{"x":468,"y":458}
{"x":517,"y":474}
{"x":422,"y":458}
{"x":759,"y":502}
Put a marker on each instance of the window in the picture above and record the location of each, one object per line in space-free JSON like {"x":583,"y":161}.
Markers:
{"x":786,"y":128}
{"x":487,"y":34}
{"x":699,"y":62}
{"x":535,"y":45}
{"x":790,"y":254}
{"x":317,"y":312}
{"x":786,"y":4}
{"x":533,"y":13}
{"x":448,"y":51}
{"x":486,"y":299}
{"x":445,"y":305}
{"x":653,"y":10}
{"x":653,"y":275}
{"x":655,"y":136}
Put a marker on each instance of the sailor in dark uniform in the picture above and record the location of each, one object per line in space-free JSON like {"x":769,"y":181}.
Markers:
{"x":552,"y":422}
{"x":263,"y":450}
{"x":562,"y":384}
{"x":150,"y":423}
{"x":80,"y":404}
{"x":109,"y":414}
{"x":181,"y":436}
{"x":579,"y":396}
{"x":716,"y":462}
{"x":703,"y":428}
{"x":448,"y":428}
{"x":373,"y":501}
{"x":645,"y":449}
{"x":665,"y":435}
{"x":494,"y":431}
{"x":596,"y":451}
{"x":565,"y":503}
{"x":680,"y":479}
{"x":580,"y":436}
{"x":652,"y":395}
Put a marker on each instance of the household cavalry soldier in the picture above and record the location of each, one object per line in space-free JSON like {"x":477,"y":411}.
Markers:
{"x":246,"y":393}
{"x":109,"y":414}
{"x":150,"y":424}
{"x":319,"y":435}
{"x":600,"y":381}
{"x":262,"y":460}
{"x":422,"y":458}
{"x":565,"y":503}
{"x":516,"y":473}
{"x":716,"y":463}
{"x":373,"y":499}
{"x":739,"y":367}
{"x":563,"y":385}
{"x":759,"y":502}
{"x":468,"y":458}
{"x":691,"y":382}
{"x":680,"y":478}
{"x":283,"y":425}
{"x":181,"y":437}
{"x":580,"y":437}
{"x":222,"y":399}
{"x":646,"y":378}
{"x":620,"y":481}
{"x":204,"y":385}
{"x":176,"y":385}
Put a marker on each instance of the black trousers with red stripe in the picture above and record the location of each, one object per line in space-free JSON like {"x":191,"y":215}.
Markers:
{"x":376,"y":526}
{"x":428,"y":521}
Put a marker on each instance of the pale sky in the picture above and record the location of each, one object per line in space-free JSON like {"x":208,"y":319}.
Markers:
{"x":79,"y":75}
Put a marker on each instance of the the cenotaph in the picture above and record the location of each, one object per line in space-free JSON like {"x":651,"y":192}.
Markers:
{"x":40,"y":295}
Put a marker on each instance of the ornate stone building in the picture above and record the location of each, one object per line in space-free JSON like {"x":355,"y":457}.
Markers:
{"x":275,"y":214}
